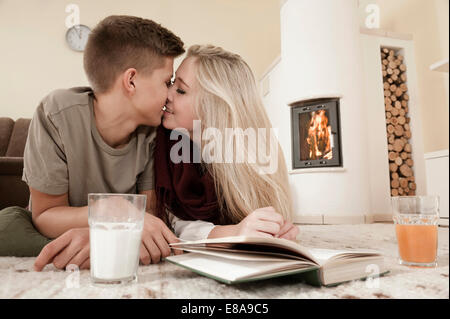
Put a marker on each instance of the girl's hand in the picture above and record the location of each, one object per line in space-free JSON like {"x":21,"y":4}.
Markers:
{"x":263,"y":222}
{"x":288,"y":231}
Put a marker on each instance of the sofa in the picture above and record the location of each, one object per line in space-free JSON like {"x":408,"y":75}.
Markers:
{"x":13,"y":136}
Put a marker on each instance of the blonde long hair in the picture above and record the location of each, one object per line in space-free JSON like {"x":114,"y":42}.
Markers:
{"x":228,"y":98}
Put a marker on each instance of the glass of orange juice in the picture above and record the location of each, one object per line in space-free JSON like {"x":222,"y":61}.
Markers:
{"x":416,"y":221}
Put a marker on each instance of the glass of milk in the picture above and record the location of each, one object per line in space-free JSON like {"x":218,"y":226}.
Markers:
{"x":115,"y":231}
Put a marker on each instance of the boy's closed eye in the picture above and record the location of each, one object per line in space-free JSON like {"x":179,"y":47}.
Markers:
{"x":169,"y":83}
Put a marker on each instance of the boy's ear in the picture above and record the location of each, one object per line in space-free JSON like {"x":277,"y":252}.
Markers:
{"x":128,"y":80}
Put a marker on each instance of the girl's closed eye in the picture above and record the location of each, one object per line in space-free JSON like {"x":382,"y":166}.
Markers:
{"x":179,"y":90}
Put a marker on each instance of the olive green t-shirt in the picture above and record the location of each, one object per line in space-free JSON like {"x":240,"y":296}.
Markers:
{"x":65,"y":153}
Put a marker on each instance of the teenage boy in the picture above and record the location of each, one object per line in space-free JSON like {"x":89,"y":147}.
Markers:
{"x":100,"y":139}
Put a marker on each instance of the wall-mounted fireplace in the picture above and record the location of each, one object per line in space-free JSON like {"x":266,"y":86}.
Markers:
{"x":316,"y":136}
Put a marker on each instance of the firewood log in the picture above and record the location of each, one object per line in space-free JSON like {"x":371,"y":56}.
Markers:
{"x":390,"y":129}
{"x":403,"y":77}
{"x":405,"y":170}
{"x":408,"y":148}
{"x":393,"y":167}
{"x":398,"y":145}
{"x":403,"y":182}
{"x":395,"y":183}
{"x":403,"y":87}
{"x":392,"y":156}
{"x":398,"y":161}
{"x":398,"y":130}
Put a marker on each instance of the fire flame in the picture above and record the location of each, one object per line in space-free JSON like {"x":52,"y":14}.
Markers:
{"x":319,"y":136}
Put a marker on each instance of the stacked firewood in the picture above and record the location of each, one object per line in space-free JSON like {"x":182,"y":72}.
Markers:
{"x":398,"y":128}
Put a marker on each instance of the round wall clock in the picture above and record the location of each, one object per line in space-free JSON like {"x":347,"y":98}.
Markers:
{"x":77,"y":36}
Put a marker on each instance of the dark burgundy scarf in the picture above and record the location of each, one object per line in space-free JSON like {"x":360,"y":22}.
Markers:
{"x":185,"y":189}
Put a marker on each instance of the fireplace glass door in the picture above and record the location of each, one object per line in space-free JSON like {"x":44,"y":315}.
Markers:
{"x":316,"y":134}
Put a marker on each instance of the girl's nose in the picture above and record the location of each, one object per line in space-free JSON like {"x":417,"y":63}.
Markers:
{"x":170,"y":94}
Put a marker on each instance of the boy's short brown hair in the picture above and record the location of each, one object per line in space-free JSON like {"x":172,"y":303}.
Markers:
{"x":120,"y":42}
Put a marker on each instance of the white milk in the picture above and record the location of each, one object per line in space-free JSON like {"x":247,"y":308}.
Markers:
{"x":114,"y":249}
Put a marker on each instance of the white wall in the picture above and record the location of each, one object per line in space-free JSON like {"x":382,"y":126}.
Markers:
{"x":437,"y":180}
{"x":34,"y":58}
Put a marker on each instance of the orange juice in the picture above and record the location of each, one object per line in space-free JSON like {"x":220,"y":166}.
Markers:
{"x":417,"y":243}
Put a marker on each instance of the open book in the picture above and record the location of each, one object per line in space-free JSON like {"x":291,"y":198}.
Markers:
{"x":240,"y":259}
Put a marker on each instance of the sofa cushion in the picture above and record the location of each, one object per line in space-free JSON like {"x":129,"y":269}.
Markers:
{"x":17,"y":192}
{"x":18,"y":138}
{"x":6,"y":128}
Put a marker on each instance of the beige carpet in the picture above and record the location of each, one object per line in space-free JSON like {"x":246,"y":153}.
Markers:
{"x":165,"y":280}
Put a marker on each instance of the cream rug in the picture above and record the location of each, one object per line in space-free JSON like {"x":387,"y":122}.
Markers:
{"x":165,"y":280}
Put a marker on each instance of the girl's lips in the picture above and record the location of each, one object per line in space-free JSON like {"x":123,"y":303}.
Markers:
{"x":167,"y":110}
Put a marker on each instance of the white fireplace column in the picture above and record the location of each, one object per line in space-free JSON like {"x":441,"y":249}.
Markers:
{"x":321,"y":57}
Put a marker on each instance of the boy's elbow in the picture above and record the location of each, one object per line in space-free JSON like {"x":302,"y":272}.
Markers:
{"x":40,"y":223}
{"x":41,"y":203}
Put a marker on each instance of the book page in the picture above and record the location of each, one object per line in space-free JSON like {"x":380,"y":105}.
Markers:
{"x":241,"y":250}
{"x":249,"y":256}
{"x":276,"y":247}
{"x":256,"y":243}
{"x":326,"y":255}
{"x":229,"y":269}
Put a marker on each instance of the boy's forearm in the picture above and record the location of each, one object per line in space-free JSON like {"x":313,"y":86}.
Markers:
{"x":57,"y":220}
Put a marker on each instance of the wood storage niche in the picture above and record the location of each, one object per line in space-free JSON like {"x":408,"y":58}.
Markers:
{"x":396,"y":104}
